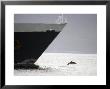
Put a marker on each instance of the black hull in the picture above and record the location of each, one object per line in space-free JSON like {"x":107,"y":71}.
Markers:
{"x":30,"y":45}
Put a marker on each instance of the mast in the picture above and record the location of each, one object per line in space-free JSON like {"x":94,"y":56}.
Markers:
{"x":61,"y":19}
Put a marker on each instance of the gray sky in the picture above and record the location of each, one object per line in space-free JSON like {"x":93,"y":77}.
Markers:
{"x":35,"y":18}
{"x":78,"y":36}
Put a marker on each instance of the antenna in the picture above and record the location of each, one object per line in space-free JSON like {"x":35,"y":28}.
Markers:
{"x":61,"y":19}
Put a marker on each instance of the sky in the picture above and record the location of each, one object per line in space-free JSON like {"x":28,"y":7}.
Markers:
{"x":78,"y":36}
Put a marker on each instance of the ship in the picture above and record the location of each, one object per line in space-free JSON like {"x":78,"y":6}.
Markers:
{"x":32,"y":39}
